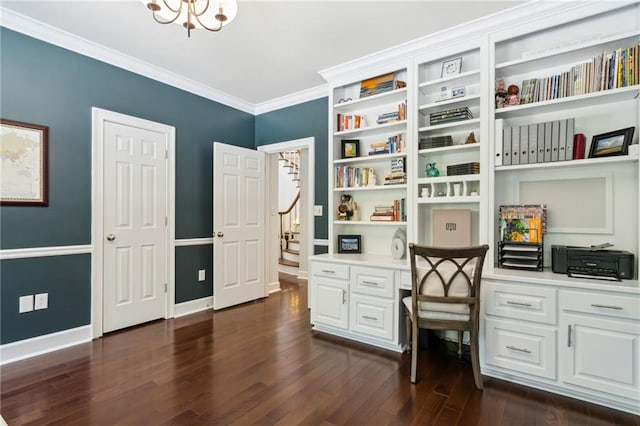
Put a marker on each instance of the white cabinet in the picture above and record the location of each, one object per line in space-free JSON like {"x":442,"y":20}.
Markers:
{"x":600,"y":343}
{"x":357,"y":300}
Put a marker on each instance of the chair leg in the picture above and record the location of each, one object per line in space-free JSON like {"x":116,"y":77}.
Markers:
{"x":414,"y":351}
{"x":475,"y":361}
{"x":407,"y":325}
{"x":460,"y":334}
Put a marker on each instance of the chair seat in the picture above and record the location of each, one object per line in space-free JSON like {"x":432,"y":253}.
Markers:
{"x":435,"y":315}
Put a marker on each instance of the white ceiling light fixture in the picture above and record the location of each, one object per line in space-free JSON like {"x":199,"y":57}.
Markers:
{"x":193,"y":14}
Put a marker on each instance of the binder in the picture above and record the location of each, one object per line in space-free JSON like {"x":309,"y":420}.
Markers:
{"x":515,"y":145}
{"x":540,"y":142}
{"x":499,"y":141}
{"x":547,"y":141}
{"x":562,"y":140}
{"x":506,"y":146}
{"x":524,"y":144}
{"x":555,"y":135}
{"x":533,"y":143}
{"x":568,"y":149}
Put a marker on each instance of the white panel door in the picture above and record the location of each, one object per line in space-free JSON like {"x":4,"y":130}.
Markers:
{"x":238,"y":225}
{"x":135,"y":246}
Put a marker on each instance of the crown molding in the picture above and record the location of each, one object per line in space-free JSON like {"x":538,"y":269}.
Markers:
{"x":66,"y":40}
{"x":292,"y":99}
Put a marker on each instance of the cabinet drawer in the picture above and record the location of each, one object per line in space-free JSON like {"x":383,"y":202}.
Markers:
{"x":521,"y":348}
{"x":521,"y":302}
{"x":613,"y":305}
{"x":332,"y":270}
{"x":372,"y":316}
{"x":373,"y":281}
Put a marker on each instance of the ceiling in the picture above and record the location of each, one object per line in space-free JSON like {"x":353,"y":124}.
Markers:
{"x":271,"y":50}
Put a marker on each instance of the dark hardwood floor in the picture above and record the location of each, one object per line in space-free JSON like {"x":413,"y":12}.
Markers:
{"x":260,"y":363}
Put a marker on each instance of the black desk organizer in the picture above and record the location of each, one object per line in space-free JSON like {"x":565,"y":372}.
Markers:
{"x":525,"y":256}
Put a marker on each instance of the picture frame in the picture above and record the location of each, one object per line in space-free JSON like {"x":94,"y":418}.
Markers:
{"x":349,"y":243}
{"x":350,"y":148}
{"x":24,"y":179}
{"x":611,"y":143}
{"x":451,"y":67}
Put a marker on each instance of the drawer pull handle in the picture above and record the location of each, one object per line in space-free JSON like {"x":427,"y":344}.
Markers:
{"x":511,"y":302}
{"x":344,"y":297}
{"x":569,"y":336}
{"x":596,"y":305}
{"x":371,"y":283}
{"x":328,"y":271}
{"x":515,"y":348}
{"x":370,"y":318}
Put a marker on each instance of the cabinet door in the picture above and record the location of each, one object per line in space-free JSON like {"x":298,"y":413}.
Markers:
{"x":601,"y":354}
{"x":330,"y":304}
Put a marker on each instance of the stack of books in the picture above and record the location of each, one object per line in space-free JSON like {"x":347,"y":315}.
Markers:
{"x":394,"y":212}
{"x":376,"y":85}
{"x":398,"y":173}
{"x":450,"y":115}
{"x":393,"y":144}
{"x":472,"y":168}
{"x":399,"y":115}
{"x":351,"y":121}
{"x":427,"y":142}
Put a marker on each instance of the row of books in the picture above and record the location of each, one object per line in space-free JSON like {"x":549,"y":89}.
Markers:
{"x":350,"y":121}
{"x":605,"y":71}
{"x":534,"y":143}
{"x":447,"y":116}
{"x":393,"y":212}
{"x":472,"y":168}
{"x":352,"y":177}
{"x":427,"y":142}
{"x":398,"y":115}
{"x":393,"y":144}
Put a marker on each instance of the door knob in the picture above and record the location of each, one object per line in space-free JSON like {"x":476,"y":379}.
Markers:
{"x":220,"y":234}
{"x":111,"y":237}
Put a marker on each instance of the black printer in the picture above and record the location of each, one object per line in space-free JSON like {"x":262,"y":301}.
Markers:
{"x":592,"y":262}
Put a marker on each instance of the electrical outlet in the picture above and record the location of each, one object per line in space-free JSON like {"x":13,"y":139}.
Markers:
{"x":201,"y":275}
{"x":317,"y":210}
{"x":25,"y":304}
{"x":42,"y":301}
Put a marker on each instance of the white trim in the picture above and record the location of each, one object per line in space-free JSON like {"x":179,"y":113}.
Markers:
{"x":98,"y":118}
{"x":273,"y":287}
{"x":194,"y":242}
{"x":24,"y":253}
{"x":34,"y":346}
{"x":193,"y":306}
{"x":292,"y":99}
{"x":58,"y":37}
{"x":321,"y":242}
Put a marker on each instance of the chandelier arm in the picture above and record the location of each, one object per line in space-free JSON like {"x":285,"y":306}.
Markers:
{"x":194,"y":12}
{"x":204,"y":26}
{"x":165,"y":22}
{"x":168,"y":6}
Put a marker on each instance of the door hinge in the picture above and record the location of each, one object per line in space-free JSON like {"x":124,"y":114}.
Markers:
{"x":166,"y":153}
{"x":165,"y":287}
{"x":166,"y":220}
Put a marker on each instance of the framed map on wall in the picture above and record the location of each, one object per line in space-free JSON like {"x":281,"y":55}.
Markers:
{"x":24,"y":170}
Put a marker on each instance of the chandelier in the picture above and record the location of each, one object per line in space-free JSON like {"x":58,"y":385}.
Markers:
{"x":192,"y":14}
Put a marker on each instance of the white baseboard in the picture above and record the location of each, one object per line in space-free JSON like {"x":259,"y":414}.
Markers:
{"x":303,"y":275}
{"x":273,"y":287}
{"x":193,"y":306}
{"x":28,"y":348}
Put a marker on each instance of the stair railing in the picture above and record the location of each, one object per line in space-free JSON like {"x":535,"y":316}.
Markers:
{"x":288,"y":224}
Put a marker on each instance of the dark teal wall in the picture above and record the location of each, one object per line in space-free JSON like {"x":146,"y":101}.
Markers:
{"x":67,"y":279}
{"x":191,"y":259}
{"x":296,"y":122}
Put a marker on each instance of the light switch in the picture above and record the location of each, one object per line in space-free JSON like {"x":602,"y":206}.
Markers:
{"x":317,"y":210}
{"x":42,"y":301}
{"x":201,"y":275}
{"x":25,"y":304}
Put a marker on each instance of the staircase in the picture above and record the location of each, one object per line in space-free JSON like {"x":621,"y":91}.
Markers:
{"x":290,"y":218}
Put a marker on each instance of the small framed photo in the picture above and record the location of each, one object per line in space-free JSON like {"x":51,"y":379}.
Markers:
{"x":451,"y":67}
{"x":611,"y":143}
{"x":24,"y":178}
{"x":349,"y":244}
{"x":350,"y":148}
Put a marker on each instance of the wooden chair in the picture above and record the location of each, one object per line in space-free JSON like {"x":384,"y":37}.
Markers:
{"x":445,"y":295}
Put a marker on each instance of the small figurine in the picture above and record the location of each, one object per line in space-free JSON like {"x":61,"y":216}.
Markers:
{"x":471,"y":138}
{"x":501,"y":94}
{"x":512,"y":95}
{"x":371,"y":180}
{"x":345,"y":209}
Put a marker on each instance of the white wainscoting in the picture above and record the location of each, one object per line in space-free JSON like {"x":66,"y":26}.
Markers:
{"x":34,"y":346}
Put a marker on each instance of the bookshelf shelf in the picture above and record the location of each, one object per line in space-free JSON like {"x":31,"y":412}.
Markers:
{"x":447,"y":179}
{"x":590,"y":99}
{"x":452,"y":148}
{"x":369,"y":223}
{"x":462,"y":76}
{"x":370,"y":130}
{"x":449,"y":200}
{"x":423,"y":109}
{"x":370,"y":158}
{"x":371,"y":188}
{"x":572,"y":163}
{"x":462,"y":124}
{"x":397,"y":95}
